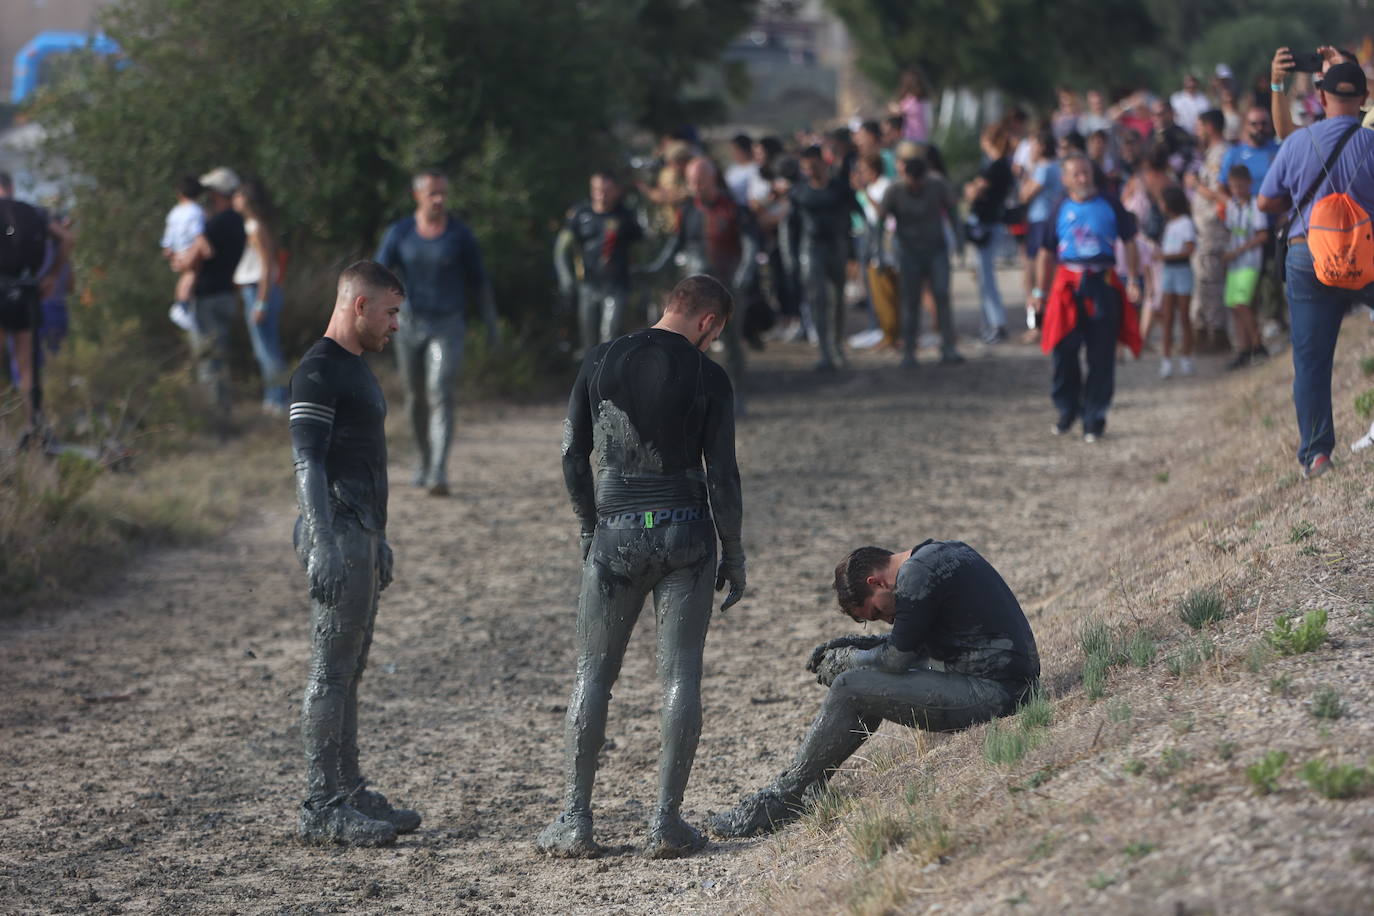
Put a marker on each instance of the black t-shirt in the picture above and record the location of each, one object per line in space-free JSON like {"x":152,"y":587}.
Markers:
{"x":338,"y":417}
{"x":955,"y":608}
{"x":604,"y":240}
{"x":224,"y":232}
{"x":654,"y":408}
{"x":987,"y":206}
{"x":824,"y":211}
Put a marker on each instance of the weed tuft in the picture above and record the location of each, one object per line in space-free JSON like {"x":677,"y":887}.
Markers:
{"x":1191,"y":655}
{"x":1364,"y":403}
{"x":1301,"y":532}
{"x":1139,"y":849}
{"x":1280,"y":684}
{"x":1337,"y":780}
{"x":873,"y":835}
{"x":1257,"y":655}
{"x":1287,"y":639}
{"x":1141,"y":649}
{"x":1227,"y":749}
{"x":1003,"y":745}
{"x":1037,"y":711}
{"x":827,"y":806}
{"x":1119,"y":711}
{"x":1201,"y":606}
{"x":1264,"y":774}
{"x":1101,"y":881}
{"x":1326,"y":704}
{"x":1133,"y":766}
{"x":1367,"y":364}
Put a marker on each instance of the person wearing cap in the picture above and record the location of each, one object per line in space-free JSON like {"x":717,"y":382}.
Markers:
{"x":1298,"y":177}
{"x":1280,"y":68}
{"x":960,"y":652}
{"x":214,"y":304}
{"x":437,"y":257}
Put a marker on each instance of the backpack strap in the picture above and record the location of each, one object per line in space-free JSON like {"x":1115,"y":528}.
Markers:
{"x":1326,"y":168}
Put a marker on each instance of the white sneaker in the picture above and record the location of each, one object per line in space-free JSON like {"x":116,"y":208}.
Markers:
{"x":865,"y":340}
{"x":1185,"y":366}
{"x":1166,"y":367}
{"x":1364,"y":441}
{"x":181,"y":317}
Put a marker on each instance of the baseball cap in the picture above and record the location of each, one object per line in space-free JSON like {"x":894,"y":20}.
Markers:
{"x":1223,"y":72}
{"x":1345,"y":72}
{"x":223,"y":179}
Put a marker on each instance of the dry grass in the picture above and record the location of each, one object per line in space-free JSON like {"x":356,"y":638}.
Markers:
{"x":1152,"y":795}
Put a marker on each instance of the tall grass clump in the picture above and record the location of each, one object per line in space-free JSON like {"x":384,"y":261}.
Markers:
{"x":1201,"y":606}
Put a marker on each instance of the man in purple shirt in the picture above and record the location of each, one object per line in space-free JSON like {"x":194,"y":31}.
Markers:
{"x":1298,"y":177}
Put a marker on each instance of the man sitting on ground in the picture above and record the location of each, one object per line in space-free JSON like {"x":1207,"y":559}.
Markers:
{"x":960,"y":653}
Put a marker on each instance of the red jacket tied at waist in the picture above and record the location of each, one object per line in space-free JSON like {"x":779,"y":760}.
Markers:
{"x":1061,"y":310}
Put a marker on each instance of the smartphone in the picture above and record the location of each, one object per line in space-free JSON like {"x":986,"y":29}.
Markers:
{"x":1306,"y":62}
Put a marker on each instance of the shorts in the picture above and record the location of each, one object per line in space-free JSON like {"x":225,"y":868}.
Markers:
{"x":1241,"y":283}
{"x":1035,"y":236}
{"x":18,"y":308}
{"x":1178,"y":280}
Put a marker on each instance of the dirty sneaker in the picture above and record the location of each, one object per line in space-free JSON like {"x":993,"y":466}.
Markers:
{"x":762,"y":812}
{"x":374,"y":805}
{"x":343,"y":824}
{"x":673,"y":838}
{"x":569,"y":837}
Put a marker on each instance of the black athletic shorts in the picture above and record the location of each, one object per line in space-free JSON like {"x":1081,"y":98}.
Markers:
{"x":18,"y":307}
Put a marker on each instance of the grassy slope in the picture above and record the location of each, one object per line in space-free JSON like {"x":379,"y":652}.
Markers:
{"x":1139,"y":801}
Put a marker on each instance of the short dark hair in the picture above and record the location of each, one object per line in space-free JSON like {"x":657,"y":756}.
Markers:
{"x":1100,"y":134}
{"x":372,"y":275}
{"x":851,"y":574}
{"x":1045,"y":137}
{"x":915,"y":169}
{"x":772,"y":146}
{"x":897,"y":122}
{"x":872,"y":128}
{"x":1213,"y":117}
{"x":1239,"y":170}
{"x":743,"y":142}
{"x":1175,"y":200}
{"x":188,"y":186}
{"x":606,"y":175}
{"x":1075,"y":139}
{"x":874,"y":162}
{"x":812,"y":152}
{"x":700,"y":293}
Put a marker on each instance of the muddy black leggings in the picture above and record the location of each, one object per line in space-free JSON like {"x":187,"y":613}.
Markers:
{"x":677,"y":565}
{"x":862,"y":698}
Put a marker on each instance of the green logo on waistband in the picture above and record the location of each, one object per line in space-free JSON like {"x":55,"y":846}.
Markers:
{"x":648,"y":519}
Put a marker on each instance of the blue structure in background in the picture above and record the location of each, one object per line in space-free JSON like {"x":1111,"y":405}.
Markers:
{"x":28,"y":63}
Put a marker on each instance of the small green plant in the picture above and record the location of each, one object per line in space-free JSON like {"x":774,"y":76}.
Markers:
{"x":1267,"y":421}
{"x":1280,"y":684}
{"x":1301,"y":532}
{"x":1367,"y":364}
{"x":1133,"y":766}
{"x":1183,"y":724}
{"x":1337,"y":780}
{"x":874,"y":834}
{"x":1287,"y":639}
{"x":1190,"y":655}
{"x":1162,"y":477}
{"x":1044,"y":847}
{"x":1037,"y":711}
{"x":1364,"y":404}
{"x":1119,"y":711}
{"x":1201,"y":606}
{"x":1139,"y":849}
{"x":1257,"y":655}
{"x":1095,"y":677}
{"x":1101,"y":881}
{"x":1227,"y":749}
{"x":1005,"y":744}
{"x":1095,"y":639}
{"x":1173,"y":759}
{"x":1326,"y":704}
{"x":827,"y":806}
{"x":1264,"y":774}
{"x":1141,"y":649}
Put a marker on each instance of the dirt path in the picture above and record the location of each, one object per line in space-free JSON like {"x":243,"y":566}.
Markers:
{"x":149,"y":756}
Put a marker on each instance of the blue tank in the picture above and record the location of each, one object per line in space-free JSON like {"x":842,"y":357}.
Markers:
{"x":28,"y":63}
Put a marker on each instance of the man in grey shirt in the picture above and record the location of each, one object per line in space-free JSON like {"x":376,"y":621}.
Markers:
{"x":919,"y":204}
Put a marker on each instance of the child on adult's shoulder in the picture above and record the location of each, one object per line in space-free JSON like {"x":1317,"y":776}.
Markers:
{"x":1176,"y":247}
{"x":1249,"y":232}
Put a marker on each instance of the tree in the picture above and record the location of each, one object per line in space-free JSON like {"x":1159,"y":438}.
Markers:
{"x":333,"y":103}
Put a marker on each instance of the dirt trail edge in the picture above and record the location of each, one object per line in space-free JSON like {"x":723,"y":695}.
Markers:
{"x":149,"y":751}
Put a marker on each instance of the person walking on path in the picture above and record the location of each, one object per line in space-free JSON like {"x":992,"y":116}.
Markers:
{"x":258,"y":276}
{"x":986,"y":196}
{"x":1208,"y":187}
{"x":437,"y":257}
{"x":1332,"y":156}
{"x":338,"y":439}
{"x":598,"y":233}
{"x":654,"y":409}
{"x":823,"y":203}
{"x":214,"y":257}
{"x":1086,"y":307}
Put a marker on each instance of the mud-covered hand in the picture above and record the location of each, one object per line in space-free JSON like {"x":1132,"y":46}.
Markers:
{"x":386,"y":565}
{"x":853,"y":641}
{"x":834,"y":663}
{"x":585,"y":540}
{"x":327,"y":572}
{"x":731,"y":571}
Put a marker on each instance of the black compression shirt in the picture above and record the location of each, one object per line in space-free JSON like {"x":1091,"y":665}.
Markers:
{"x":953,"y":606}
{"x":824,"y":211}
{"x":653,"y":407}
{"x":604,"y":241}
{"x":338,"y":415}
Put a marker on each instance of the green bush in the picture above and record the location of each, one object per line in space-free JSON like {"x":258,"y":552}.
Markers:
{"x":1287,"y":639}
{"x":1326,"y":704}
{"x":1364,"y":404}
{"x":1264,"y":774}
{"x":1337,"y":780}
{"x":1201,"y":606}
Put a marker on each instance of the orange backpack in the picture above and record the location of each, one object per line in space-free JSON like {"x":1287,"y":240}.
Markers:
{"x":1340,"y":235}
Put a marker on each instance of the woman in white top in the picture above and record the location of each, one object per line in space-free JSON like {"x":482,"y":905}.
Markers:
{"x":259,"y":282}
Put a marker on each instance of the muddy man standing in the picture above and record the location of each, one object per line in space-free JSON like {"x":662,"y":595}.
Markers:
{"x":653,"y":407}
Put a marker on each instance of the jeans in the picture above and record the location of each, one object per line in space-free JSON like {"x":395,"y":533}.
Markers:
{"x":994,"y":313}
{"x":210,"y":348}
{"x":918,"y":268}
{"x":1314,"y":315}
{"x":1073,"y":395}
{"x":266,"y":339}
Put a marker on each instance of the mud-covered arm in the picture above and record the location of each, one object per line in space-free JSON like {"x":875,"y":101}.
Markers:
{"x":562,"y":262}
{"x":882,"y":657}
{"x":312,"y":426}
{"x":670,"y":248}
{"x":723,"y":486}
{"x":577,"y":448}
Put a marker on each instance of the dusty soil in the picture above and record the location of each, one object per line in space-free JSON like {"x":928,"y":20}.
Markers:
{"x":149,"y":757}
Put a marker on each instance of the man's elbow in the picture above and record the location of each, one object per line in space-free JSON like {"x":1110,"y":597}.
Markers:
{"x":1271,"y":204}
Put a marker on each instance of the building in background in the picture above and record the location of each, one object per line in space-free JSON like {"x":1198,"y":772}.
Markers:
{"x":21,"y":20}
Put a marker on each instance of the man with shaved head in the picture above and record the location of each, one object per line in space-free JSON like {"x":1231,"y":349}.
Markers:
{"x":338,"y":438}
{"x":718,"y":238}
